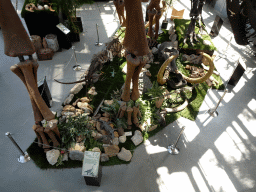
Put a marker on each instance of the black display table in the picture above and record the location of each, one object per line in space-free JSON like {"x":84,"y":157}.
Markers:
{"x":43,"y":23}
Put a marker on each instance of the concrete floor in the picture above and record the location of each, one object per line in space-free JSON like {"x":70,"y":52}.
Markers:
{"x":216,"y":154}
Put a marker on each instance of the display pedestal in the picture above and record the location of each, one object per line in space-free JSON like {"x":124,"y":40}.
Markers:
{"x":91,"y":170}
{"x":41,"y":23}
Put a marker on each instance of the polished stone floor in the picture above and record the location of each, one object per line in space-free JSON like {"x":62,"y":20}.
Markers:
{"x":216,"y":154}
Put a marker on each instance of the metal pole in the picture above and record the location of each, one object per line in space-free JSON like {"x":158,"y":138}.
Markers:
{"x":172,"y":149}
{"x":76,"y":67}
{"x":24,"y":157}
{"x":213,"y":112}
{"x":98,"y":43}
{"x":224,"y":55}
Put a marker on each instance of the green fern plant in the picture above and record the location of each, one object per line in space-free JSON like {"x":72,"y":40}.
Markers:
{"x":156,"y":91}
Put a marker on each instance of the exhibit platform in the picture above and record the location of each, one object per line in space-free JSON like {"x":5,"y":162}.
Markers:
{"x":216,"y":153}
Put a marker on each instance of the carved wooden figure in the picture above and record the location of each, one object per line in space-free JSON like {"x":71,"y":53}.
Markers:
{"x":18,"y":44}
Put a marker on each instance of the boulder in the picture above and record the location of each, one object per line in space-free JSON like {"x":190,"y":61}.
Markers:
{"x":96,"y":149}
{"x":92,"y":91}
{"x":120,"y":131}
{"x":68,"y":99}
{"x":122,"y":139}
{"x":76,"y":88}
{"x":79,"y":112}
{"x":112,"y":150}
{"x":85,"y":106}
{"x":104,"y":157}
{"x":116,"y":134}
{"x":124,"y":154}
{"x":115,"y":141}
{"x":65,"y":157}
{"x":137,"y":138}
{"x":154,"y":50}
{"x":52,"y":156}
{"x":85,"y":100}
{"x":76,"y":155}
{"x":69,"y":108}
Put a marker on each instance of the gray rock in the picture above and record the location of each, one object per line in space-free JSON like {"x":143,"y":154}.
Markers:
{"x":154,"y":50}
{"x":115,"y":141}
{"x":52,"y":156}
{"x":104,"y":157}
{"x":137,"y":138}
{"x":76,"y":88}
{"x":65,"y":157}
{"x":124,"y":154}
{"x":68,"y":99}
{"x":122,"y":139}
{"x":165,"y":47}
{"x":76,"y":155}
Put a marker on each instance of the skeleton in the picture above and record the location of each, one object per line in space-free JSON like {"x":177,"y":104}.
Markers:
{"x":18,"y":44}
{"x":241,"y":14}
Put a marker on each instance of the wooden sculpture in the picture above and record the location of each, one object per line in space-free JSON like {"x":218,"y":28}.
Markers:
{"x":154,"y":13}
{"x":136,"y":46}
{"x":119,"y":4}
{"x":18,"y":44}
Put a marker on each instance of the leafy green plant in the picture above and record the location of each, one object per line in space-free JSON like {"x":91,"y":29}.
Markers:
{"x":156,"y":91}
{"x":72,"y":128}
{"x":111,"y":109}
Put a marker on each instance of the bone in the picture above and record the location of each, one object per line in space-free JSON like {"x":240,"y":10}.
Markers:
{"x":157,"y":18}
{"x":129,"y":116}
{"x":122,"y":111}
{"x":40,"y":130}
{"x":136,"y":113}
{"x":151,"y":15}
{"x":135,"y":82}
{"x":38,"y":136}
{"x":131,"y":64}
{"x":27,"y":69}
{"x":37,"y":114}
{"x":52,"y":125}
{"x":52,"y":136}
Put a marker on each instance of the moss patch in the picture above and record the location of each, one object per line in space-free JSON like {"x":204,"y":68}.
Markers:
{"x":181,"y":26}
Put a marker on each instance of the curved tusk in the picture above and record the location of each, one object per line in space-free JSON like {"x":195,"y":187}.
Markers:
{"x":206,"y":76}
{"x":176,"y":109}
{"x":160,"y":73}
